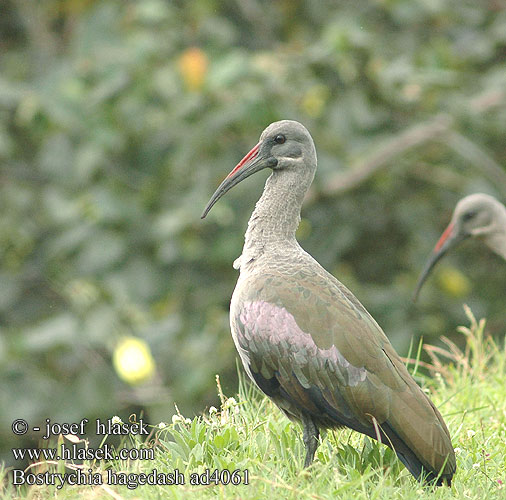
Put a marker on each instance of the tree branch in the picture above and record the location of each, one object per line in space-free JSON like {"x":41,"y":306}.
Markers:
{"x":477,"y":156}
{"x":380,"y":158}
{"x":440,"y":129}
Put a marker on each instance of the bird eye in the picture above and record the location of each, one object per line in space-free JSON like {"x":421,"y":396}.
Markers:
{"x":468,"y":216}
{"x":280,"y":139}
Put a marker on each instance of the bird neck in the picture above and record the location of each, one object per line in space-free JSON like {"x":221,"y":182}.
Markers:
{"x":497,"y":240}
{"x":497,"y":243}
{"x":277,"y":213}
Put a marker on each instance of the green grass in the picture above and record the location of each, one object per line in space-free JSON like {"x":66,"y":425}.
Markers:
{"x":249,"y":432}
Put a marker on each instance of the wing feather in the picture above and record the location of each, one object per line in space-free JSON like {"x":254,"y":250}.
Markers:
{"x":332,"y":359}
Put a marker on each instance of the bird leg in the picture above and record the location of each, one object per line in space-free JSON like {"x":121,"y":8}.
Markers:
{"x":310,"y":434}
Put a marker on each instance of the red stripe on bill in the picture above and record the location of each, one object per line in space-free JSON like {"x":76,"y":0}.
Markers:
{"x":444,"y":237}
{"x":250,"y":156}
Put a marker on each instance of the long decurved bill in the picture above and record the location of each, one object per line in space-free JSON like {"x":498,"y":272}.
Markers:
{"x":449,"y":239}
{"x":251,"y":163}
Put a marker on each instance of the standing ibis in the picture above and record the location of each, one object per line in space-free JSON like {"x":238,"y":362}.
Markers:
{"x":478,"y":216}
{"x":305,"y":339}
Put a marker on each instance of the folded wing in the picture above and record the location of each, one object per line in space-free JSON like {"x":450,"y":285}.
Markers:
{"x":313,"y":348}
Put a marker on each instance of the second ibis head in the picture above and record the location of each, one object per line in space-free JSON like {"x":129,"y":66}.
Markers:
{"x":478,"y":216}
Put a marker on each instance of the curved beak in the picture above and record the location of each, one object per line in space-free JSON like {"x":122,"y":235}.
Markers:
{"x":449,"y":239}
{"x":253,"y":162}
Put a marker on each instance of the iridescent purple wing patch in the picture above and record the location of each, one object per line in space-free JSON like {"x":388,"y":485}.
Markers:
{"x":270,"y":328}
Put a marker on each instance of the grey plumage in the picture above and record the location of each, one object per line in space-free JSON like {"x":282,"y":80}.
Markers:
{"x":303,"y":337}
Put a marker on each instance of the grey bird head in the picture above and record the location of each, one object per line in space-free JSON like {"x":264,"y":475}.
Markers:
{"x":478,"y":216}
{"x":284,"y":146}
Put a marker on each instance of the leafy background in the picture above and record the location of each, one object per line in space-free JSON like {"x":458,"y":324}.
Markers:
{"x":118,"y":119}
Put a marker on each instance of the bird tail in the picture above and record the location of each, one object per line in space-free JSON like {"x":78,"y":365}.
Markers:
{"x":412,"y":462}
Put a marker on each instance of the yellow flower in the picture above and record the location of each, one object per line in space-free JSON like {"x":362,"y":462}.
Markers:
{"x":453,"y":282}
{"x":133,"y":361}
{"x":193,"y":68}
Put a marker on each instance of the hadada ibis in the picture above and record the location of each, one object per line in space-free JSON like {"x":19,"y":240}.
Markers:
{"x":478,"y":216}
{"x":303,"y":337}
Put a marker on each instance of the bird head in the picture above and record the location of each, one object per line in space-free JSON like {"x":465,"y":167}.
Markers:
{"x":474,"y":216}
{"x":283,"y":146}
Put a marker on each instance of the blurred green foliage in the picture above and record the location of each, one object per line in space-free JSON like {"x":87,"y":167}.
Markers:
{"x":119,"y":119}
